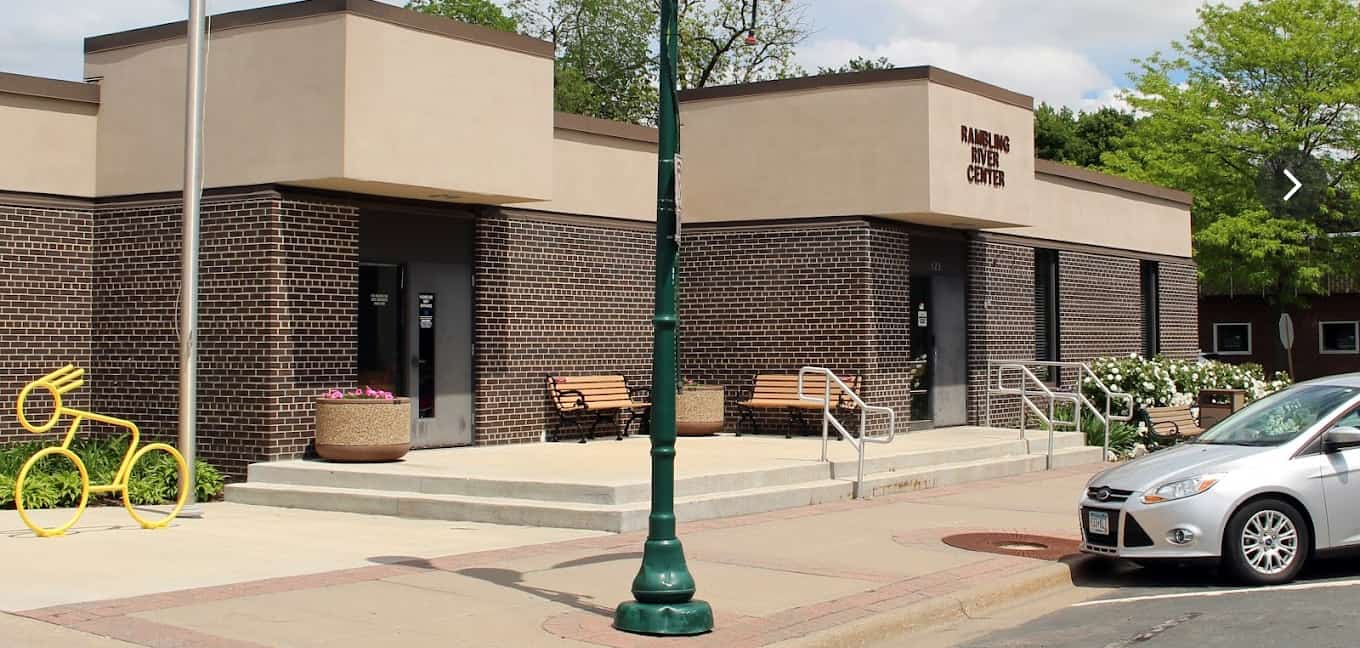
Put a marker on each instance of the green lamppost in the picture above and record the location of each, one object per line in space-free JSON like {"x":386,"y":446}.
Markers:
{"x":664,"y":589}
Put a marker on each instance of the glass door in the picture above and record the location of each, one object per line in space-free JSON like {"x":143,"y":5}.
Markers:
{"x":380,"y":328}
{"x":922,"y":344}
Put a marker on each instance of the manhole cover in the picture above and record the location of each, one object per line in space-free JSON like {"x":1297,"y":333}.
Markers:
{"x":1014,"y":544}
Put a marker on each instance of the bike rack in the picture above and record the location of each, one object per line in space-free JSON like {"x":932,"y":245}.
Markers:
{"x":58,"y":384}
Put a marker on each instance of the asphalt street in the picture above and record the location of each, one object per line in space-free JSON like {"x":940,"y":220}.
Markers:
{"x":1183,"y":606}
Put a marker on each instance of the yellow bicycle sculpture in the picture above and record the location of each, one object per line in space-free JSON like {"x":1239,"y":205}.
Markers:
{"x":59,"y":383}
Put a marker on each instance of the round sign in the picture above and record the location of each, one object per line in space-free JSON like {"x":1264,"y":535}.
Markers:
{"x":1286,"y":331}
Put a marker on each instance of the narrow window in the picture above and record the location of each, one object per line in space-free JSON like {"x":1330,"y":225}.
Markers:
{"x":1151,"y":307}
{"x":1232,"y":338}
{"x":1338,"y":337}
{"x":1046,"y":309}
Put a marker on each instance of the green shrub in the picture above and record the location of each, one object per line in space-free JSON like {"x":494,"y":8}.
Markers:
{"x":54,"y":481}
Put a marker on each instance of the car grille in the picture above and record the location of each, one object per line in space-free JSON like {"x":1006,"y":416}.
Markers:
{"x":1110,"y":539}
{"x":1134,"y":535}
{"x":1115,"y":495}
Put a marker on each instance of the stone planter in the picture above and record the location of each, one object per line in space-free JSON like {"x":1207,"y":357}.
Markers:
{"x":699,"y":410}
{"x":359,"y":429}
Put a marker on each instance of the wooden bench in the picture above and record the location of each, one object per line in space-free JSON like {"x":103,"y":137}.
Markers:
{"x":598,"y":398}
{"x":1169,"y":425}
{"x":780,"y":392}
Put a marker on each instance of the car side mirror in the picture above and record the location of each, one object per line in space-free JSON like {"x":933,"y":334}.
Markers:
{"x":1340,"y":438}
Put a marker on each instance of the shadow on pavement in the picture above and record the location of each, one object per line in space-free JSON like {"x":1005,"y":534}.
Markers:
{"x":512,"y":579}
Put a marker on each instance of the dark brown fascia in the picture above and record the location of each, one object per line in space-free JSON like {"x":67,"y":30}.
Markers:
{"x":308,"y":8}
{"x":917,"y":73}
{"x":1058,"y":169}
{"x":49,"y":88}
{"x":605,"y":127}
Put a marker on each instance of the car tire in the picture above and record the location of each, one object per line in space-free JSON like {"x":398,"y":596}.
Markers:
{"x":1266,"y":543}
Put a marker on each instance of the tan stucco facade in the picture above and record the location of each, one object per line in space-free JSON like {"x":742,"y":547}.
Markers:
{"x":367,"y":98}
{"x":1081,"y":212}
{"x":335,"y":101}
{"x":918,"y":145}
{"x":50,"y":145}
{"x":832,"y":151}
{"x":602,"y":175}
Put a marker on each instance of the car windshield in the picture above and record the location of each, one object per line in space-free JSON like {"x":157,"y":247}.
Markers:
{"x":1279,"y":417}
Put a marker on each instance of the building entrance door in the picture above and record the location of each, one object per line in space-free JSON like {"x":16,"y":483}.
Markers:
{"x":938,"y":333}
{"x":439,"y":349}
{"x":423,"y":341}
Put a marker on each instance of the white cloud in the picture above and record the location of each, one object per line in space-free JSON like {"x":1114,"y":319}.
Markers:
{"x":1067,"y":52}
{"x":1053,"y":74}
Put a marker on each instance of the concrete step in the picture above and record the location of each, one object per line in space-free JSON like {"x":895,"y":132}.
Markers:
{"x":632,"y":516}
{"x":501,"y":510}
{"x":498,"y":510}
{"x":431,"y":481}
{"x":887,"y":483}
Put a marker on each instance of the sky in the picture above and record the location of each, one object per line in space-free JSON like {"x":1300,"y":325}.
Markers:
{"x":1075,"y":53}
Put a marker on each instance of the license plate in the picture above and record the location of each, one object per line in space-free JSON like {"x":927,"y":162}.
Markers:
{"x":1098,"y":522}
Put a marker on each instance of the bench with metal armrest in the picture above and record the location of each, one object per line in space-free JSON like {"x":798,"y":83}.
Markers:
{"x":780,"y":392}
{"x":1169,"y":425}
{"x":597,"y":398}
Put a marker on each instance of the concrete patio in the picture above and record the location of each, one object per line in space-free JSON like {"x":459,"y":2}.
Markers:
{"x":605,"y":485}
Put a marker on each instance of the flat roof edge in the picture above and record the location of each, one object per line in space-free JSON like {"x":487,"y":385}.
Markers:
{"x":32,"y":86}
{"x":916,"y":73}
{"x":1080,"y":174}
{"x":605,"y":127}
{"x":308,"y":8}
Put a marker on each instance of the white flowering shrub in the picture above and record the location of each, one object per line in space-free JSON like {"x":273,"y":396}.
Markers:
{"x":1160,"y":382}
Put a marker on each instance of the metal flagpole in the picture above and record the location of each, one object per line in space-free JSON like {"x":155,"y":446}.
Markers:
{"x":193,"y":193}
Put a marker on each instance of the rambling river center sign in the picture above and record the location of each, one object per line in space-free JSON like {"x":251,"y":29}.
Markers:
{"x":985,"y":162}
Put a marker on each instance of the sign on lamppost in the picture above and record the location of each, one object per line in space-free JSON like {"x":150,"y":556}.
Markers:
{"x":663,"y":590}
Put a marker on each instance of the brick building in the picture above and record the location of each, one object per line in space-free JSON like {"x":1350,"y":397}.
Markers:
{"x":367,"y":166}
{"x":1245,"y":328}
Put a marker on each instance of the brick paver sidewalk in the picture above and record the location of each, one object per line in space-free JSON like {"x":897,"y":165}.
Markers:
{"x":771,"y":577}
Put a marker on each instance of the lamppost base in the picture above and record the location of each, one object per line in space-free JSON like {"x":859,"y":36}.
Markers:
{"x":665,"y":619}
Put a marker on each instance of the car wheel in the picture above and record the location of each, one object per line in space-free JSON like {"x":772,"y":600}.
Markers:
{"x":1266,"y":543}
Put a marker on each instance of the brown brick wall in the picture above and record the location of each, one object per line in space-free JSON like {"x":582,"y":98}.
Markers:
{"x":1178,"y":284}
{"x":276,"y":311}
{"x":46,"y":297}
{"x":888,"y":368}
{"x":1000,"y":319}
{"x":554,"y":297}
{"x":1100,"y":312}
{"x":1100,"y":306}
{"x":773,"y":299}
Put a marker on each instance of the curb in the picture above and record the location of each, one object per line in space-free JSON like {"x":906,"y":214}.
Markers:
{"x":895,"y":624}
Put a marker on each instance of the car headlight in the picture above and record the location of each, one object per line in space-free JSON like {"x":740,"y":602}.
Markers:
{"x":1181,"y":489}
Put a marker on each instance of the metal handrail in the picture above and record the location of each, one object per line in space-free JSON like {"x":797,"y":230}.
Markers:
{"x":829,"y":421}
{"x":1077,"y":397}
{"x":1043,"y":390}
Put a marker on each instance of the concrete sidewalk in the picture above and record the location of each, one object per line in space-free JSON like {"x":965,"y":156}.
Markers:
{"x":835,"y":574}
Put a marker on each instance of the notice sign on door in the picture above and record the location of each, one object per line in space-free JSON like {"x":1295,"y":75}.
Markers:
{"x":425,"y":310}
{"x":922,"y":320}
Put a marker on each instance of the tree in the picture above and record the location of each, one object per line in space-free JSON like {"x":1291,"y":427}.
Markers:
{"x":722,"y":42}
{"x":859,"y":64}
{"x":475,"y":12}
{"x":1250,"y":91}
{"x":604,"y":65}
{"x":1080,"y":138}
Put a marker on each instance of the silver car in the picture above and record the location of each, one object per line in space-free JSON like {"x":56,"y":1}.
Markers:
{"x":1260,"y":492}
